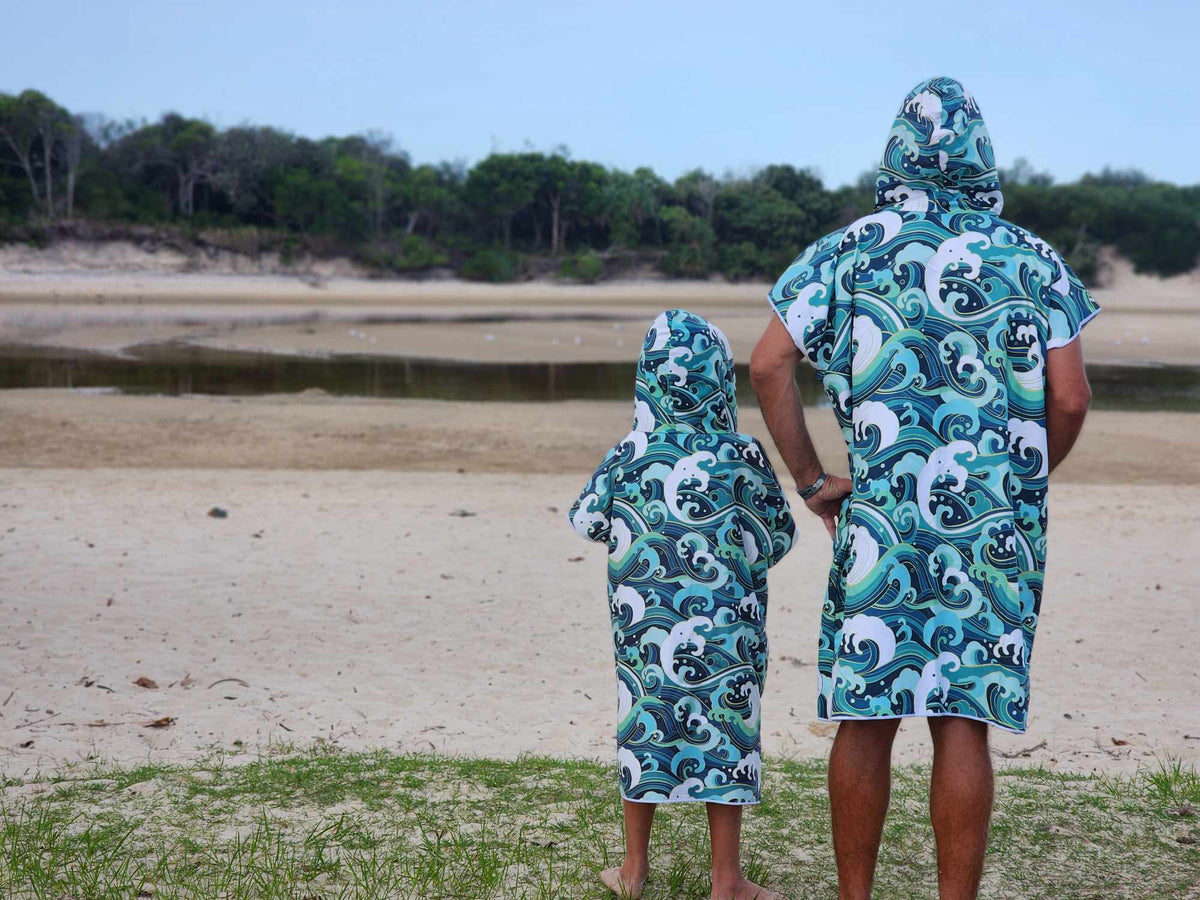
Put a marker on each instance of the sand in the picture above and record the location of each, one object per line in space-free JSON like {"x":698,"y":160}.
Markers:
{"x":350,"y":603}
{"x":356,"y":606}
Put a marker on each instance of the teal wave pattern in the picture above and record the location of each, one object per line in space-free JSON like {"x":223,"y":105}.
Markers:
{"x":928,"y":322}
{"x":693,"y":516}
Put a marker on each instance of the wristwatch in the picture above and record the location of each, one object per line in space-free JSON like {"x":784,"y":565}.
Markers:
{"x":811,"y":491}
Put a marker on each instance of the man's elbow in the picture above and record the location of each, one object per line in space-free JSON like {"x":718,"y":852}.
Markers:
{"x":1074,"y":405}
{"x":765,"y":368}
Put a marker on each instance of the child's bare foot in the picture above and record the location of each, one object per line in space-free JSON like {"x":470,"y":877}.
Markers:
{"x":625,"y":884}
{"x":742,"y":889}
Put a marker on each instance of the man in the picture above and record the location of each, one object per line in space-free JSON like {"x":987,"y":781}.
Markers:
{"x":945,"y":338}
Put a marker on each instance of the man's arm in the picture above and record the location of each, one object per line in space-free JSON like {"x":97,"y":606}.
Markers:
{"x":1068,"y":396}
{"x":773,"y":373}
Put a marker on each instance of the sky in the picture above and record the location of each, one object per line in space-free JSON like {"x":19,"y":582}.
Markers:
{"x":725,"y":86}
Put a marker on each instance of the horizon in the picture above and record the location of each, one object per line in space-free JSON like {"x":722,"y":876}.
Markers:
{"x":523,"y":78}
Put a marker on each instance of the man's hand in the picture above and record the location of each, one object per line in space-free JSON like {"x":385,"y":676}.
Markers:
{"x":826,"y":504}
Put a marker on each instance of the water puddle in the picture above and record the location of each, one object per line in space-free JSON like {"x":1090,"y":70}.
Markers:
{"x":185,"y":369}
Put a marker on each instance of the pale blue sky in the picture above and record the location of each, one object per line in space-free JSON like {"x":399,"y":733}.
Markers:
{"x":1072,"y":86}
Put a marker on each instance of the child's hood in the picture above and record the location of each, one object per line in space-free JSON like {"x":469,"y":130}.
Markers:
{"x":685,"y":376}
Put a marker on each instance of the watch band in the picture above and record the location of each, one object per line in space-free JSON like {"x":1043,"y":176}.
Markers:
{"x":811,"y":491}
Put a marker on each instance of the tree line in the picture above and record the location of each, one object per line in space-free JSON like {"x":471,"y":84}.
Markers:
{"x":511,"y":214}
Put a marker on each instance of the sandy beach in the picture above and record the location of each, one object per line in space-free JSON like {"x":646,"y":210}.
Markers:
{"x":399,"y":573}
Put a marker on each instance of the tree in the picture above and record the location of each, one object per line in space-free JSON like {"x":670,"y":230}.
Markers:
{"x":25,"y":120}
{"x":73,"y":136}
{"x":186,"y":147}
{"x":503,"y":185}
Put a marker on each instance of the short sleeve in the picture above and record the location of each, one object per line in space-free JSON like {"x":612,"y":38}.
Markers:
{"x":803,"y":298}
{"x":1069,"y":308}
{"x":591,"y":514}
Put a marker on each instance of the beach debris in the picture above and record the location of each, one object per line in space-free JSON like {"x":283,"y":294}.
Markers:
{"x":25,"y":745}
{"x":552,"y":509}
{"x":1184,"y":809}
{"x":822,"y":729}
{"x":1021,"y":753}
{"x":224,"y":680}
{"x":574,"y":559}
{"x":1119,"y":742}
{"x":160,"y":722}
{"x":108,"y":602}
{"x":187,"y":681}
{"x":462,"y":513}
{"x":1185,"y":839}
{"x":148,"y":683}
{"x":258,"y":533}
{"x":217,"y":513}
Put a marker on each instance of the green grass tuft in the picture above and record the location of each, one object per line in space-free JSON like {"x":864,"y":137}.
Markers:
{"x":320,"y":823}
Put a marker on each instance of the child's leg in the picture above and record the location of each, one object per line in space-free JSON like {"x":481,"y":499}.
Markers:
{"x":627,"y":880}
{"x":725,"y":834}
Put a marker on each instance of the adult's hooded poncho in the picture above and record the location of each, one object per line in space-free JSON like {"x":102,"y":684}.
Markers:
{"x":928,"y":322}
{"x":693,"y":516}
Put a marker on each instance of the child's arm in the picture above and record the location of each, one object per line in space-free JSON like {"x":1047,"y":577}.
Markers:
{"x":772,"y":514}
{"x":590,"y":516}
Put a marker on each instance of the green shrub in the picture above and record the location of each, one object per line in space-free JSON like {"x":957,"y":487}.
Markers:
{"x":586,"y":267}
{"x":493,"y":265}
{"x":418,"y":252}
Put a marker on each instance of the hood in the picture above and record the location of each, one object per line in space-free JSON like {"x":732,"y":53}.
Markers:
{"x":685,"y":376}
{"x":939,"y":153}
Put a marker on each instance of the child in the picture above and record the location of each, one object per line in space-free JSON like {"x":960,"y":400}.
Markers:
{"x":693,"y":516}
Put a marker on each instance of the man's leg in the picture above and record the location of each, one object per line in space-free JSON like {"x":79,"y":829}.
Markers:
{"x":860,"y":785}
{"x":960,"y":803}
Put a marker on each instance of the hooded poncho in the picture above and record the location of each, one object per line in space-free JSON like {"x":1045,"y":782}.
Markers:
{"x":928,"y":323}
{"x":693,"y":516}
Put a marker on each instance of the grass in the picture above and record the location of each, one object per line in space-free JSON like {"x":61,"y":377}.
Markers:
{"x":327,"y":824}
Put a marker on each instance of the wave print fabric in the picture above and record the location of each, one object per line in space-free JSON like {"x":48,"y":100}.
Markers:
{"x":693,"y":516}
{"x":928,"y":323}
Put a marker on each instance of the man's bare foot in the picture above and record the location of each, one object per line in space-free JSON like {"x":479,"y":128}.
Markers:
{"x":743,"y":890}
{"x":626,"y":885}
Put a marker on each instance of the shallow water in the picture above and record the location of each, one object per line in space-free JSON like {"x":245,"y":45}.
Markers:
{"x":184,"y":369}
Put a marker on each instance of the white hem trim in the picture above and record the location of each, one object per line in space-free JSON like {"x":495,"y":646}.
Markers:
{"x":1062,"y":342}
{"x":845,"y":717}
{"x":694,"y":800}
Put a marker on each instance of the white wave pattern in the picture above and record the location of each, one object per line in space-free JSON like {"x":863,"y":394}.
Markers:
{"x":686,"y":470}
{"x":684,"y":637}
{"x":866,"y":553}
{"x":627,"y":597}
{"x":869,"y":339}
{"x":1025,"y":437}
{"x":953,"y":252}
{"x":942,"y":467}
{"x":862,"y":627}
{"x":873,"y":414}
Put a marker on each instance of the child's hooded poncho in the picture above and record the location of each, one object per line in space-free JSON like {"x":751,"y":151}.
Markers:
{"x":928,"y":322}
{"x":693,"y":516}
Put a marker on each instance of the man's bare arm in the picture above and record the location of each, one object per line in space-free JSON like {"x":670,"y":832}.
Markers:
{"x":773,"y":373}
{"x":1068,"y":396}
